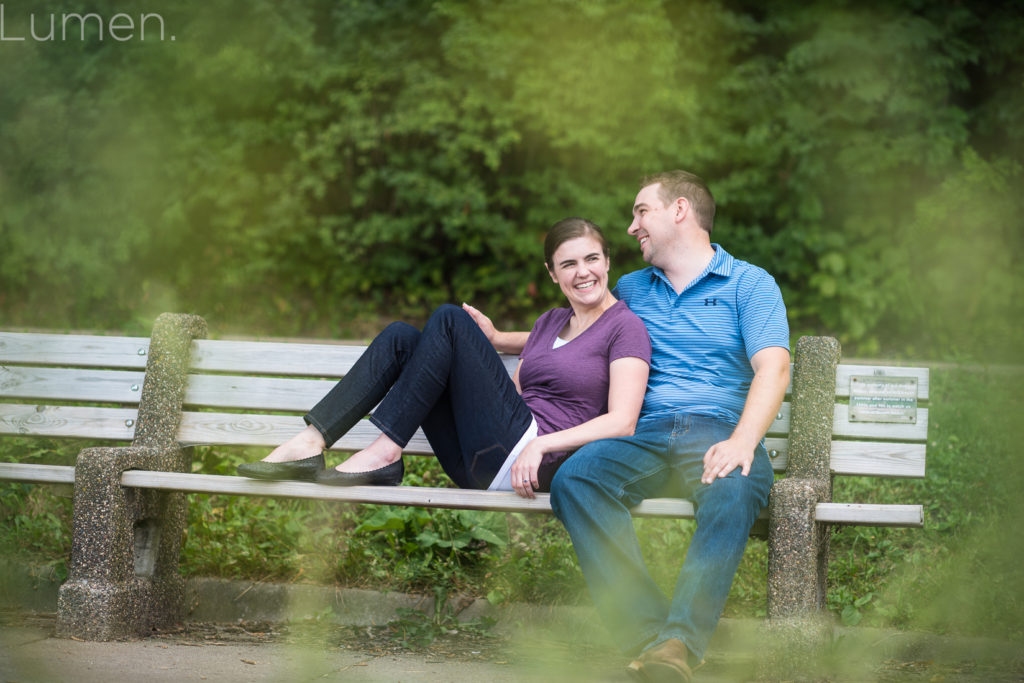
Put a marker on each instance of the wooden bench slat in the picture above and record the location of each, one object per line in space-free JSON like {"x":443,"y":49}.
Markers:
{"x":321,"y":359}
{"x":84,"y":422}
{"x":274,"y":358}
{"x":281,"y":358}
{"x":862,"y":514}
{"x":842,"y":426}
{"x":291,"y":394}
{"x":780,"y":425}
{"x":74,"y":349}
{"x":255,"y":393}
{"x":385,"y":495}
{"x":124,"y":386}
{"x":65,"y":384}
{"x":878,"y":459}
{"x":334,"y":360}
{"x":832,"y":513}
{"x":38,"y":474}
{"x":848,"y":457}
{"x":864,"y":458}
{"x":845,"y":371}
{"x":501,"y":501}
{"x":271,"y":430}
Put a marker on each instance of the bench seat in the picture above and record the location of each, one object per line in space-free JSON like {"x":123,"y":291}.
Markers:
{"x":424,"y":496}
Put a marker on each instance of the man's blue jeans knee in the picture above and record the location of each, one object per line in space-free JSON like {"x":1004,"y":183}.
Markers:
{"x":592,"y":493}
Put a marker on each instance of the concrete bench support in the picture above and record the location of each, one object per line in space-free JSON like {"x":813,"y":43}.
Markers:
{"x":123,"y":577}
{"x":798,"y":625}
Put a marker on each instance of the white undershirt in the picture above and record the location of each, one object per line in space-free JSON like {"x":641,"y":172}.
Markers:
{"x":501,"y":481}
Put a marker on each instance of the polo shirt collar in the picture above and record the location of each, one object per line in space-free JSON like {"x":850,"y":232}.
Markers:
{"x":721,"y":264}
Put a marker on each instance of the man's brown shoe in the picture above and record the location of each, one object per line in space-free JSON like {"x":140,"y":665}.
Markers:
{"x":664,"y":663}
{"x":635,"y":669}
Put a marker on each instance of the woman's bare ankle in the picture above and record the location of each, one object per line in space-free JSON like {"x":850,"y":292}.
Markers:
{"x":381,"y":453}
{"x":306,"y":444}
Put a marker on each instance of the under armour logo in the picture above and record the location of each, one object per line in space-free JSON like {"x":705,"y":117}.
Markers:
{"x":710,"y":302}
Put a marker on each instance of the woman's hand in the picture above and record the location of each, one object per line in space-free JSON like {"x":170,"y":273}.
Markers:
{"x":482,"y":321}
{"x":525,"y":468}
{"x":503,"y":342}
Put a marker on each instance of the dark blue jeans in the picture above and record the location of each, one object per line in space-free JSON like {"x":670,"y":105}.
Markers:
{"x":447,"y":379}
{"x":592,"y":493}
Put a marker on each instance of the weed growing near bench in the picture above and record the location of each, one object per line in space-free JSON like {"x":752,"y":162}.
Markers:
{"x":417,"y":629}
{"x":504,"y":556}
{"x":35,"y":521}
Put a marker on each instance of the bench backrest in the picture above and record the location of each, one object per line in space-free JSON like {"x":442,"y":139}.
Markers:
{"x":254,"y":393}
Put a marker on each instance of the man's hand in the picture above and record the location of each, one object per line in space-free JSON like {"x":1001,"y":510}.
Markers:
{"x":767,"y":389}
{"x":725,"y":456}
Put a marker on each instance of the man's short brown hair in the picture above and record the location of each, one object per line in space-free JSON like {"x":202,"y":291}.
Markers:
{"x":684,"y":184}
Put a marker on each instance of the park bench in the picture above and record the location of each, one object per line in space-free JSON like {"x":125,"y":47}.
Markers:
{"x":177,"y":389}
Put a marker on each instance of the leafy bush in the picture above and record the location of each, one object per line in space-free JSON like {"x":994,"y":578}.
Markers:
{"x":309,"y":167}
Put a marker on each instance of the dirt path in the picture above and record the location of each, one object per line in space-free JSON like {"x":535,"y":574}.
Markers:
{"x":312,"y":651}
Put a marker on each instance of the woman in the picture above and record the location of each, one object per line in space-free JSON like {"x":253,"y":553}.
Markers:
{"x":581,"y":376}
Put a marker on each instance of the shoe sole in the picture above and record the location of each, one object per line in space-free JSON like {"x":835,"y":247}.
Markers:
{"x":661,"y":672}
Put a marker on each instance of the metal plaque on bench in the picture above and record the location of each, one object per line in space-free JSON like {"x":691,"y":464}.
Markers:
{"x":878,"y":398}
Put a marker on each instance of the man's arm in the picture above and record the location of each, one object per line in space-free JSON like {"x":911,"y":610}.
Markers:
{"x":767,"y":389}
{"x":503,"y":342}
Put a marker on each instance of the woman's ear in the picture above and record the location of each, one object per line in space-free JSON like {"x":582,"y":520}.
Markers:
{"x":551,"y":273}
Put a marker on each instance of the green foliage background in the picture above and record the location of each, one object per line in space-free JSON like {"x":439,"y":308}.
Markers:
{"x":304,"y":167}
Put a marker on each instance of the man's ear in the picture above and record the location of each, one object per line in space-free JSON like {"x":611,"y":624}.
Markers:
{"x":682,"y":208}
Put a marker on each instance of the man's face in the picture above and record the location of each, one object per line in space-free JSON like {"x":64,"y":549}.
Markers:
{"x":653,"y":225}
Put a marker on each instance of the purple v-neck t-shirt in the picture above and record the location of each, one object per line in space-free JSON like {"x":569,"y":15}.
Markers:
{"x":568,"y":385}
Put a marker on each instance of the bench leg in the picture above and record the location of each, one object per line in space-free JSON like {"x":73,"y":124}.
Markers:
{"x":798,"y":551}
{"x":123,"y":578}
{"x":799,"y":629}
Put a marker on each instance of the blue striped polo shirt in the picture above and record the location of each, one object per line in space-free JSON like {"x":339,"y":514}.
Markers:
{"x":703,"y":338}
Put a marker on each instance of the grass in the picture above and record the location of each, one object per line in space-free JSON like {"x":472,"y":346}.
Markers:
{"x":960,"y":574}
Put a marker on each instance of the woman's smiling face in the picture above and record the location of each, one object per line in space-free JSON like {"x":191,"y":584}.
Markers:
{"x":580,"y":268}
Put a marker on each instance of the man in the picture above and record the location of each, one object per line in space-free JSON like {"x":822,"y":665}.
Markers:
{"x":719,"y":371}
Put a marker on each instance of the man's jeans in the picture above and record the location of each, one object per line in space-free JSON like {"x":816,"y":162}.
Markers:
{"x":592,"y":493}
{"x":447,"y":379}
